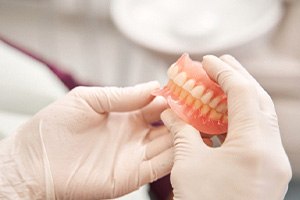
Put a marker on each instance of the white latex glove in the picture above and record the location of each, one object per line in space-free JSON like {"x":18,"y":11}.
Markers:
{"x":251,"y":163}
{"x":95,"y":143}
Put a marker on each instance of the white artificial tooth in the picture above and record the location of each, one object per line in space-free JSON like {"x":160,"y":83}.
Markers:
{"x":206,"y":97}
{"x":177,"y":90}
{"x":215,"y":115}
{"x":222,"y":108}
{"x":225,"y":119}
{"x":197,"y":104}
{"x":214,"y":102}
{"x":183,"y":94}
{"x":189,"y":100}
{"x":204,"y":109}
{"x":180,"y":78}
{"x":172,"y":71}
{"x":188,"y":86}
{"x":197,"y":91}
{"x":169,"y":72}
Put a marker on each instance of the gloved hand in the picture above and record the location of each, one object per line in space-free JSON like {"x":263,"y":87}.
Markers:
{"x":251,"y":163}
{"x":95,"y":143}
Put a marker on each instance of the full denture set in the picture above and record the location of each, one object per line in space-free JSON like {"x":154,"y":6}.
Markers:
{"x":195,"y":98}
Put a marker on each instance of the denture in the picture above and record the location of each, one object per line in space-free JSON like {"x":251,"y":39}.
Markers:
{"x":194,"y":97}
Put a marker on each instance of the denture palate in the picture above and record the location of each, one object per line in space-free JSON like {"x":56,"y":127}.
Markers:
{"x":193,"y":93}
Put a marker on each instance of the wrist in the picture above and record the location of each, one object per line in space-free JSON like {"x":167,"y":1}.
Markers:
{"x":19,"y":175}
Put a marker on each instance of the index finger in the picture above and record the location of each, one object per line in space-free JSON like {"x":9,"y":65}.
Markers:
{"x":114,"y":99}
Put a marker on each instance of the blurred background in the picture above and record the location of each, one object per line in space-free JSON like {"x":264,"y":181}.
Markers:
{"x":49,"y":46}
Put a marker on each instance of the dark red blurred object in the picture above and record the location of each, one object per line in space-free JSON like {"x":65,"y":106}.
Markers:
{"x":162,"y":188}
{"x":65,"y":77}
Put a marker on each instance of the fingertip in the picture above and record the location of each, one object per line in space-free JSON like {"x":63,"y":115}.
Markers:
{"x":211,"y":65}
{"x":227,"y":57}
{"x":151,"y":85}
{"x":171,"y":121}
{"x":206,"y":57}
{"x":210,"y":60}
{"x":144,"y":90}
{"x":161,"y":100}
{"x":151,"y":112}
{"x":234,"y":63}
{"x":176,"y":125}
{"x":221,"y":72}
{"x":167,"y":116}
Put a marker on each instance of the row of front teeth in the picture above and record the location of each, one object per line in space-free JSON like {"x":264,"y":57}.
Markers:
{"x":196,"y":94}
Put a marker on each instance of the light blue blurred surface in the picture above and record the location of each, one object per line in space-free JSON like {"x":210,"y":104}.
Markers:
{"x":294,"y":190}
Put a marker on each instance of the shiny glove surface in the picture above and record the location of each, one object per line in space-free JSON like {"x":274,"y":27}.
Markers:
{"x":251,"y":163}
{"x":94,"y":143}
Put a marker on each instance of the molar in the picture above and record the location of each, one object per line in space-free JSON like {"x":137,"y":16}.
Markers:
{"x":215,"y":115}
{"x":173,"y":87}
{"x":215,"y":101}
{"x":169,"y":85}
{"x":197,"y":104}
{"x":172,"y":71}
{"x":205,"y":109}
{"x":225,"y":119}
{"x":188,"y":86}
{"x":222,"y":108}
{"x":177,"y":90}
{"x":189,"y":100}
{"x":180,"y":78}
{"x":198,"y":91}
{"x":207,"y":96}
{"x":183,"y":94}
